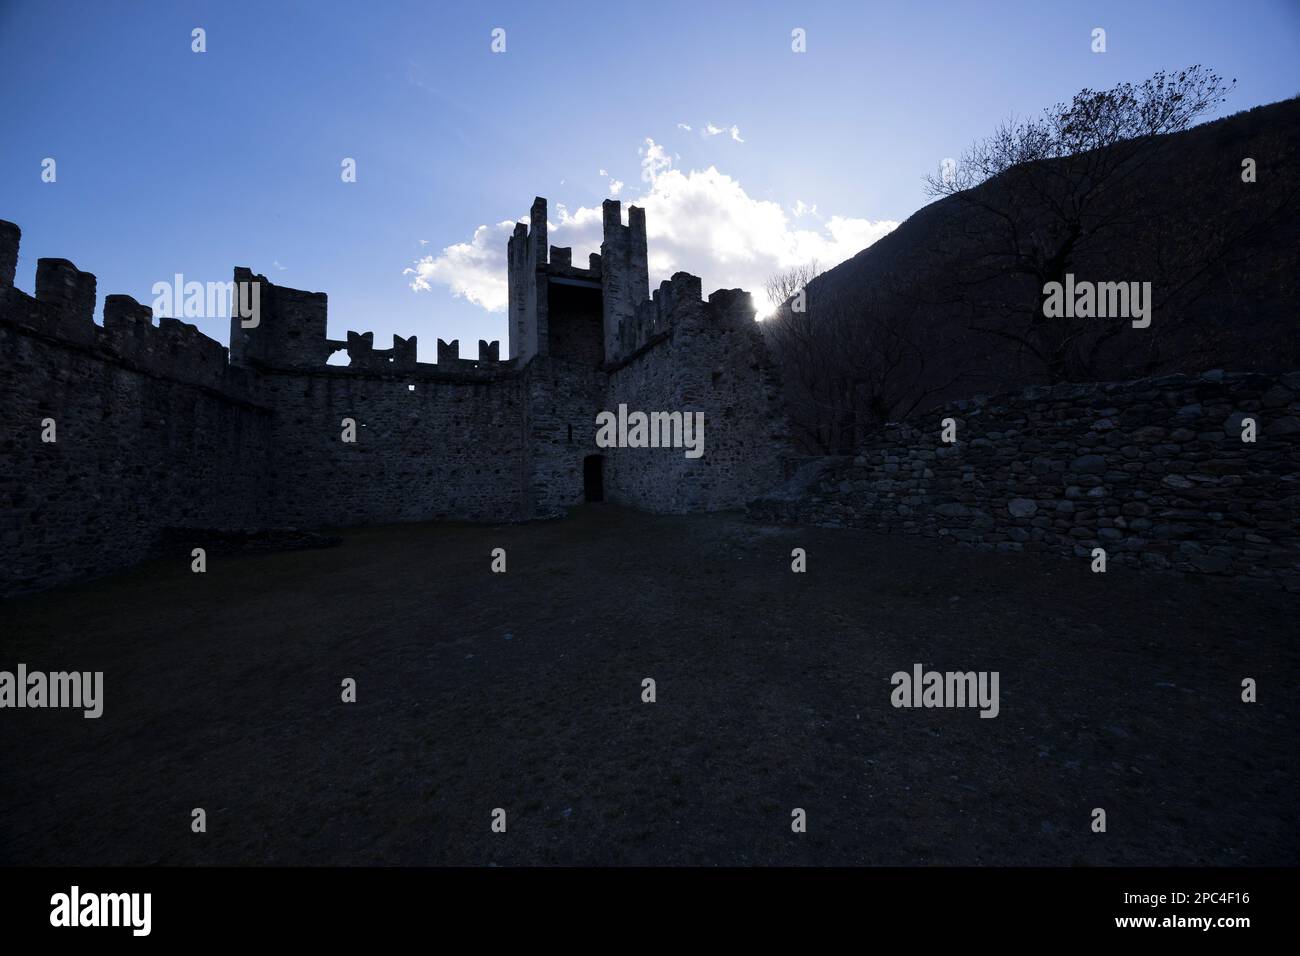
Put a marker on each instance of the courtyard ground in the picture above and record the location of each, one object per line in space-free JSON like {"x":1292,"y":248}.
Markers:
{"x":523,"y":691}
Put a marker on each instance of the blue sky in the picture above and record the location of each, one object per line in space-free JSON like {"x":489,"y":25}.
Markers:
{"x":172,"y":161}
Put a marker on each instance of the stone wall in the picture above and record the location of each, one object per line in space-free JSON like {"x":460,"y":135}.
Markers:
{"x":429,"y":446}
{"x":696,"y":356}
{"x":157,"y":430}
{"x":1153,"y":471}
{"x":160,"y":428}
{"x":560,"y":431}
{"x":150,"y":434}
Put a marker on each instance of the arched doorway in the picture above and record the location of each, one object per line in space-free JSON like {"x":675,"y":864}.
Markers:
{"x":593,"y":478}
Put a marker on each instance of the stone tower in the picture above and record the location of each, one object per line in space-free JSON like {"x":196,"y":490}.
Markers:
{"x":560,"y":310}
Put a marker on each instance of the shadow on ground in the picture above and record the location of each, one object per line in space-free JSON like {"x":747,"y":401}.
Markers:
{"x":523,"y":691}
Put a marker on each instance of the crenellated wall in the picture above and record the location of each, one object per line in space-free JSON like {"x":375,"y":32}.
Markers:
{"x":152,"y":430}
{"x":159,"y":427}
{"x":625,"y":275}
{"x":155,"y":428}
{"x":1155,"y":472}
{"x":694,"y":356}
{"x":525,"y":255}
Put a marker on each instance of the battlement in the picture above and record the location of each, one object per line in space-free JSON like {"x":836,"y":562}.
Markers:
{"x":171,"y":346}
{"x":589,"y":305}
{"x":553,"y":304}
{"x":161,"y":427}
{"x":286,"y":328}
{"x":10,"y":235}
{"x":595,"y":316}
{"x":70,"y":295}
{"x":362,"y":353}
{"x":677,"y":301}
{"x":525,"y":254}
{"x":289,"y":331}
{"x":561,"y":265}
{"x":625,"y":275}
{"x":63,"y":310}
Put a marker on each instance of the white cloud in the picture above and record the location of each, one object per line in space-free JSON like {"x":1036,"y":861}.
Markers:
{"x":474,"y":270}
{"x":654,"y":160}
{"x":603,"y":173}
{"x":697,"y":221}
{"x":708,"y":129}
{"x":615,"y":186}
{"x":685,"y":126}
{"x":278,"y":266}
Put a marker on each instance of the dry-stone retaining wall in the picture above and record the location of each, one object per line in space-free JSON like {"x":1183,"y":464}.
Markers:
{"x":1155,"y":472}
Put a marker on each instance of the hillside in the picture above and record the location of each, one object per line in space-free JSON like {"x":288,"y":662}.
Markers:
{"x":925,"y":307}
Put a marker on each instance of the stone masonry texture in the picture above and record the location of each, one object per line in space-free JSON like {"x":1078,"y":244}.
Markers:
{"x":1155,"y":472}
{"x":164,"y":436}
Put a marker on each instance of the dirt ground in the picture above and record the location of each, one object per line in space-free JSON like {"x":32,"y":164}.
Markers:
{"x":523,"y":691}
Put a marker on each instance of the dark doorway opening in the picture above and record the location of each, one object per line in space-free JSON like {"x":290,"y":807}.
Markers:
{"x":593,"y":478}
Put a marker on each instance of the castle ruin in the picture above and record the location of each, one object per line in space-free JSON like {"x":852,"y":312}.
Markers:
{"x":159,"y":427}
{"x":124,"y":439}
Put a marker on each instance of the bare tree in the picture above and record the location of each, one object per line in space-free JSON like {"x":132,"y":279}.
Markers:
{"x":1092,"y":188}
{"x":851,"y":363}
{"x":1054,"y":195}
{"x":781,"y":287}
